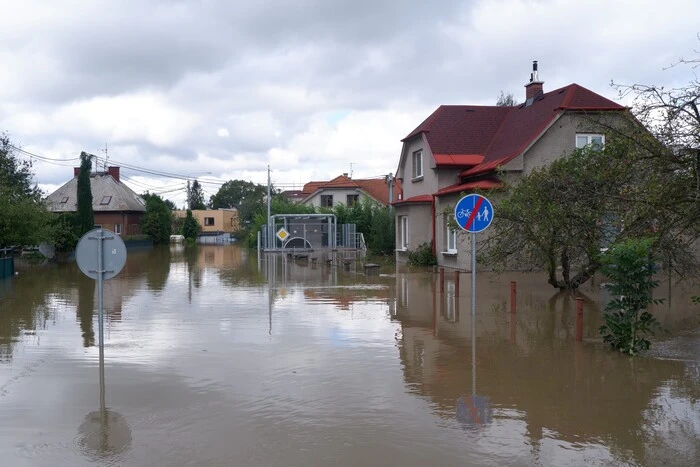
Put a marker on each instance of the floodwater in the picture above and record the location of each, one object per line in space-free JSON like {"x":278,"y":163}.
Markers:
{"x":214,"y":358}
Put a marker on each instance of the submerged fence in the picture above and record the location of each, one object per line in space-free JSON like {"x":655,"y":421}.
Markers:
{"x":7,"y":263}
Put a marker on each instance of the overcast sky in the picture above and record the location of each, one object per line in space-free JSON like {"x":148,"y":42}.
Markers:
{"x":314,"y":88}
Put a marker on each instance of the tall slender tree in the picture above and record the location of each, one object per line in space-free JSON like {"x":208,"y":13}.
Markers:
{"x":86,"y":216}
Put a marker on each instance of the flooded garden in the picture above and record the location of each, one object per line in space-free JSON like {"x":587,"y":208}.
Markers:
{"x":214,"y":356}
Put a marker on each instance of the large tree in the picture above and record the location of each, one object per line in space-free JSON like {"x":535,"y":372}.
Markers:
{"x":23,"y":217}
{"x":561,"y":218}
{"x":234,"y":193}
{"x":86,"y":216}
{"x":196,"y":197}
{"x":158,"y":219}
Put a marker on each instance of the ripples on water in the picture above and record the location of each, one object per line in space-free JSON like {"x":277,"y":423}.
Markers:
{"x":214,"y":359}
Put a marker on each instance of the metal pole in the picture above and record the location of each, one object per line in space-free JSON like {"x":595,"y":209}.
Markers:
{"x":100,"y":272}
{"x":269,"y":227}
{"x":473,"y":277}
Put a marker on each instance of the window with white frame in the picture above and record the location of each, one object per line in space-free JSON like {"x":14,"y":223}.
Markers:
{"x":403,"y":232}
{"x":417,"y":164}
{"x":118,"y":229}
{"x":451,"y":240}
{"x":595,"y":140}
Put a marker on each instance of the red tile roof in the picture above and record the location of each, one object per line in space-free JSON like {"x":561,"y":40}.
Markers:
{"x":415,"y":200}
{"x":377,"y":188}
{"x":470,"y":186}
{"x":480,"y":138}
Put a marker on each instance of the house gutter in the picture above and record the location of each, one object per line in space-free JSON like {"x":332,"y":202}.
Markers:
{"x":432,"y":211}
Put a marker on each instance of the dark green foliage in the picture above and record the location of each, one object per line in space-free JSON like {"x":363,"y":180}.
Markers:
{"x":24,"y":219}
{"x":158,"y":219}
{"x":559,"y":217}
{"x":191,"y":228}
{"x":422,"y":256}
{"x":235,"y":193}
{"x":629,"y":266}
{"x":170,"y":204}
{"x":64,"y":232}
{"x":374,"y":221}
{"x":86,"y":217}
{"x":197,"y":197}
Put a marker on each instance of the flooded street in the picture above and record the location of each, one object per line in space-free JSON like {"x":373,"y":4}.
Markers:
{"x":215,"y":359}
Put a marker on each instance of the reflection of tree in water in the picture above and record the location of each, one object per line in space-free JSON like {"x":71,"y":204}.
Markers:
{"x":582,"y":393}
{"x":86,"y":308}
{"x":25,"y":303}
{"x":193,"y":270}
{"x":158,"y":268}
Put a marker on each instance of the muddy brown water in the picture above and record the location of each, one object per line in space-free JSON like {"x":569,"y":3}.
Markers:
{"x":215,"y":358}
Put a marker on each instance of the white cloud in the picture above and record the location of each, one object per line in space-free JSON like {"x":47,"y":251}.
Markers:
{"x":187,"y":87}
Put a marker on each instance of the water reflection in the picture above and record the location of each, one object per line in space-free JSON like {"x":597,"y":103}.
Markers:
{"x":104,"y":435}
{"x":283,"y":362}
{"x":577,"y":393}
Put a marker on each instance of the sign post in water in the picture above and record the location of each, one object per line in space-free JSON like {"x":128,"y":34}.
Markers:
{"x":474,"y":213}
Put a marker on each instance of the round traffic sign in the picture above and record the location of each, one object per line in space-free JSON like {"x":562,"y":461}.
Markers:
{"x":113,"y":253}
{"x":474,"y":213}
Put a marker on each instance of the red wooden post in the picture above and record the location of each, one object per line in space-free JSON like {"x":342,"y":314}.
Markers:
{"x":579,"y":319}
{"x":442,"y":280}
{"x":513,"y":294}
{"x":456,"y":283}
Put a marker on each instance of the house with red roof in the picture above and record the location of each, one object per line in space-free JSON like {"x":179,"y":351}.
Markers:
{"x":463,"y":148}
{"x":343,"y":190}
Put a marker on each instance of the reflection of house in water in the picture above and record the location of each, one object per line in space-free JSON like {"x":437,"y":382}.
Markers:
{"x":580,"y":393}
{"x":343,"y":297}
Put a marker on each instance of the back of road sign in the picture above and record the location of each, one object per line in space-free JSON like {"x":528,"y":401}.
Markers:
{"x":474,"y":213}
{"x":113,"y":253}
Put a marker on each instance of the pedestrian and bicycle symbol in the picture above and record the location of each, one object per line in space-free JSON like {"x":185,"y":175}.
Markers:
{"x":474,"y":213}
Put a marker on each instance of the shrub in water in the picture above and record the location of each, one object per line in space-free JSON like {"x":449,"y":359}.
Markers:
{"x":629,"y":268}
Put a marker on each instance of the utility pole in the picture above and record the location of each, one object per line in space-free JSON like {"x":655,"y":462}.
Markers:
{"x":390,"y":181}
{"x":106,"y":157}
{"x":269,"y":227}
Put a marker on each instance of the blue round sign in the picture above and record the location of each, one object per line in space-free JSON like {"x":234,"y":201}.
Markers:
{"x":474,"y":213}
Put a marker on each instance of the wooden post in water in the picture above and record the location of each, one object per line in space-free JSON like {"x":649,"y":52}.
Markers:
{"x":579,"y":319}
{"x":513,"y":294}
{"x":442,"y":280}
{"x":456,"y":283}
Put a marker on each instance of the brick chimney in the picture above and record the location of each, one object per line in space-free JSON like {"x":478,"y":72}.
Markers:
{"x":534,"y":87}
{"x":76,"y":171}
{"x":114,"y":172}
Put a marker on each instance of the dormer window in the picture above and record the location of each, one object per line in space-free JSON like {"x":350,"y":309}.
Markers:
{"x":64,"y":200}
{"x":105,"y":200}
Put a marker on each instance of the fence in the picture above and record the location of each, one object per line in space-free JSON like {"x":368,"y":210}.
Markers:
{"x":7,"y":263}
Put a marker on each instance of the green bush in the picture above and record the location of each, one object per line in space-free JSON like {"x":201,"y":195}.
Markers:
{"x":629,"y":267}
{"x":422,"y":256}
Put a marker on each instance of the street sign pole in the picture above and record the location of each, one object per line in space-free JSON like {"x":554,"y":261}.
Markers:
{"x":100,"y":270}
{"x":473,"y":213}
{"x":473,"y":278}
